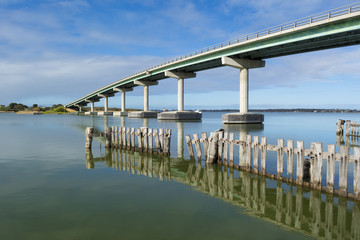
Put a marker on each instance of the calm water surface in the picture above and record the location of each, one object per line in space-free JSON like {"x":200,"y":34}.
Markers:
{"x":49,"y":189}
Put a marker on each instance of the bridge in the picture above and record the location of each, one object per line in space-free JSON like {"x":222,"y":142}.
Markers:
{"x":331,"y":29}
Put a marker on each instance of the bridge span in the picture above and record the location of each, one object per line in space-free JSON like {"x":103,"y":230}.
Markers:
{"x":331,"y":29}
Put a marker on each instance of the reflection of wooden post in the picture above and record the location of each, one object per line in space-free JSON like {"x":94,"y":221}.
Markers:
{"x":341,"y":220}
{"x":279,"y":202}
{"x":299,"y":207}
{"x":329,"y":208}
{"x":315,"y":210}
{"x":355,"y":230}
{"x":343,"y":172}
{"x":89,"y":159}
{"x":289,"y":207}
{"x":108,"y":137}
{"x":88,"y":137}
{"x":263,"y":148}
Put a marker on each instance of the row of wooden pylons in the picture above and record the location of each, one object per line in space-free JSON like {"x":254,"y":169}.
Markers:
{"x":219,"y":147}
{"x":141,"y":139}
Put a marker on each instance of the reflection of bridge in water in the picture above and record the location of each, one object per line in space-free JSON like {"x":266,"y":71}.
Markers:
{"x":310,"y":212}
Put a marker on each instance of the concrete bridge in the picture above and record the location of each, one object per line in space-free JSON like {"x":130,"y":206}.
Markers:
{"x":335,"y":28}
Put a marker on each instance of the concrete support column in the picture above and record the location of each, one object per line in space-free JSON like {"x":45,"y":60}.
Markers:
{"x":92,"y":106}
{"x":244,"y":90}
{"x":146,"y":98}
{"x":180,"y":94}
{"x":106,"y":104}
{"x":123,"y":101}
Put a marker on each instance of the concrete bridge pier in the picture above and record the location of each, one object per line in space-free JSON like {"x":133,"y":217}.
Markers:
{"x":123,"y":91}
{"x":180,"y":114}
{"x":92,"y":107}
{"x":243,"y":116}
{"x":146,"y":113}
{"x":106,"y":104}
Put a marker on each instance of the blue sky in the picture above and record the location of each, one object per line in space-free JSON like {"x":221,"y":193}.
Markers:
{"x":58,"y":51}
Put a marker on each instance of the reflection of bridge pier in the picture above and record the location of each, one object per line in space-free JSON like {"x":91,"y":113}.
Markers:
{"x":180,"y":139}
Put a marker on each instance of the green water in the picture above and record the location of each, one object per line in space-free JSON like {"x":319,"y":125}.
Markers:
{"x":50,"y":189}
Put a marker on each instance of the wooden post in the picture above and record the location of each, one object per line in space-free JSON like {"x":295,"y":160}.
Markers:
{"x":145,"y":138}
{"x":339,"y":127}
{"x":120,"y":137}
{"x":248,"y":153}
{"x":280,"y":157}
{"x":139,"y":135}
{"x":112,"y":136}
{"x":263,"y":148}
{"x":290,"y":158}
{"x":343,"y":172}
{"x":357,"y":172}
{"x":226,"y":148}
{"x":212,"y":148}
{"x":204,"y":140}
{"x":124,"y":136}
{"x":150,"y":140}
{"x":167,"y":138}
{"x":220,"y":145}
{"x":128,"y":139}
{"x":189,"y":146}
{"x":197,"y":146}
{"x":88,"y":137}
{"x":330,"y":168}
{"x":256,"y":154}
{"x":348,"y":122}
{"x":161,"y":137}
{"x":132,"y":138}
{"x":231,"y":150}
{"x":300,"y":162}
{"x":316,"y":171}
{"x":116,"y":132}
{"x":108,"y":137}
{"x":156,"y":139}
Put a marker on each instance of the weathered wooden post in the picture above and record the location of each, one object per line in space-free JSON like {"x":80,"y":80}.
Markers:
{"x":357,"y":172}
{"x":205,"y":142}
{"x":139,"y":136}
{"x":300,"y":162}
{"x":145,"y":138}
{"x":156,"y":139}
{"x":197,"y":146}
{"x":124,"y":137}
{"x":88,"y":137}
{"x":132,"y":138}
{"x":161,"y":136}
{"x":150,"y":140}
{"x":108,"y":137}
{"x":112,"y":136}
{"x":316,"y":171}
{"x":116,"y":144}
{"x":263,"y":148}
{"x":280,"y":158}
{"x":167,"y":138}
{"x":128,"y":140}
{"x":256,"y":154}
{"x":226,"y":148}
{"x":248,"y":153}
{"x":348,"y":123}
{"x":330,"y":168}
{"x":231,"y":149}
{"x":343,"y":171}
{"x":212,"y":148}
{"x":340,"y":127}
{"x":189,"y":146}
{"x":220,"y":145}
{"x":120,"y":137}
{"x":290,"y":159}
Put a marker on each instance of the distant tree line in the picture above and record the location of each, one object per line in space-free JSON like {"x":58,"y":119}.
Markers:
{"x":16,"y":107}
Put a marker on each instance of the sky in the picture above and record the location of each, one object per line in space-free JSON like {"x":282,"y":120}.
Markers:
{"x":56,"y":51}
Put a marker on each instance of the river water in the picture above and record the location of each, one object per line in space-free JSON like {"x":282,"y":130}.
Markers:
{"x":50,"y":189}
